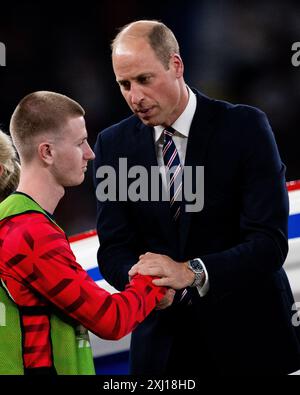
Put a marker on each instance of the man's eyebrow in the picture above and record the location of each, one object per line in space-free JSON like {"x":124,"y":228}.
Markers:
{"x":82,"y":138}
{"x":142,"y":75}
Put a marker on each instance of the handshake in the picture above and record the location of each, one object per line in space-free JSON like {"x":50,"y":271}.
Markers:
{"x":167,"y":273}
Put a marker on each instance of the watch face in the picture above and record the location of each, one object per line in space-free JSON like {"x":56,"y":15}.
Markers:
{"x":196,"y":265}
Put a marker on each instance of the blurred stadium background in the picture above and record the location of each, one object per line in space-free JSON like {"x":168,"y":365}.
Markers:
{"x":235,"y":51}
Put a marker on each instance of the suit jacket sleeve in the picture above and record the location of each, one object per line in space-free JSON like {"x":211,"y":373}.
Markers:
{"x":263,"y":210}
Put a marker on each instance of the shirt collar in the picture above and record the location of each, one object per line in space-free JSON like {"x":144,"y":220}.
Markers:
{"x":183,"y":123}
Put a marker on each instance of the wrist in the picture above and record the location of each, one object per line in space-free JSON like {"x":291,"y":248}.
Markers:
{"x":189,"y":274}
{"x":196,"y":267}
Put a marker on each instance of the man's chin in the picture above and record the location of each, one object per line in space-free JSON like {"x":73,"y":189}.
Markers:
{"x":74,"y":183}
{"x":149,"y":122}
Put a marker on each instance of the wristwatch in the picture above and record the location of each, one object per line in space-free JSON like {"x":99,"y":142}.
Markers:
{"x":196,"y":266}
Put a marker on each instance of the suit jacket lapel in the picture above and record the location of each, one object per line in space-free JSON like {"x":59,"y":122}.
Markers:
{"x":145,"y":155}
{"x":199,"y":136}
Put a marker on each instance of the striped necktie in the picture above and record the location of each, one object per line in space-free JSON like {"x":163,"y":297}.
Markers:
{"x":173,"y":172}
{"x":174,"y":186}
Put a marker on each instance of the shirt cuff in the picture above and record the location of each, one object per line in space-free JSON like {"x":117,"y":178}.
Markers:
{"x":203,"y":289}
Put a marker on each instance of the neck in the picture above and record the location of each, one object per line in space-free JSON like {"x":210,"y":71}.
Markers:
{"x":42,"y":188}
{"x":180,"y":106}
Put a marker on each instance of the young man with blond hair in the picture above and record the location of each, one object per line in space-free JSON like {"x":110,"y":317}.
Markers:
{"x":50,"y":300}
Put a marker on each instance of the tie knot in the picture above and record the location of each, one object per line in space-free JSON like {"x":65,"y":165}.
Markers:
{"x":169,"y":131}
{"x":168,"y":134}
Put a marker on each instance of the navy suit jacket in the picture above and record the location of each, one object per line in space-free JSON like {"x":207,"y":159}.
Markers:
{"x":243,"y":325}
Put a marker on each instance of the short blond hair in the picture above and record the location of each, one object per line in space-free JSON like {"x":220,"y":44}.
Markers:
{"x":37,"y":113}
{"x":9,"y":178}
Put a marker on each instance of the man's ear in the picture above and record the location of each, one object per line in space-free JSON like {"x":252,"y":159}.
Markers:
{"x":177,"y":63}
{"x":45,"y":153}
{"x":1,"y":169}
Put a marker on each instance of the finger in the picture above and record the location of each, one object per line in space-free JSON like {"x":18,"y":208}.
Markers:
{"x":147,"y":259}
{"x":150,"y":271}
{"x":134,"y":269}
{"x":161,"y":307}
{"x":164,"y":304}
{"x":143,"y":259}
{"x":162,"y":282}
{"x":151,"y":255}
{"x":145,"y":255}
{"x":132,"y":272}
{"x":171,"y":292}
{"x":152,"y":260}
{"x":148,"y":263}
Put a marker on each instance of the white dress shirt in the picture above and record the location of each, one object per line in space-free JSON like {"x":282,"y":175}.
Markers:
{"x":182,"y":127}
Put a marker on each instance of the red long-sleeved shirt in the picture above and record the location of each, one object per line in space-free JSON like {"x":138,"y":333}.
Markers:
{"x":39,"y":269}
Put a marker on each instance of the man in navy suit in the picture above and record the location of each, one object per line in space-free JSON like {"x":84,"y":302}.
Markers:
{"x":232,"y":313}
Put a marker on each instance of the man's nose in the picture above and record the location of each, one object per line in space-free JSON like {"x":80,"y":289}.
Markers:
{"x":136,"y":94}
{"x":89,"y":153}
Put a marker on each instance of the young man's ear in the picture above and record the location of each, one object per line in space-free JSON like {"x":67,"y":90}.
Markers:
{"x":45,"y":153}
